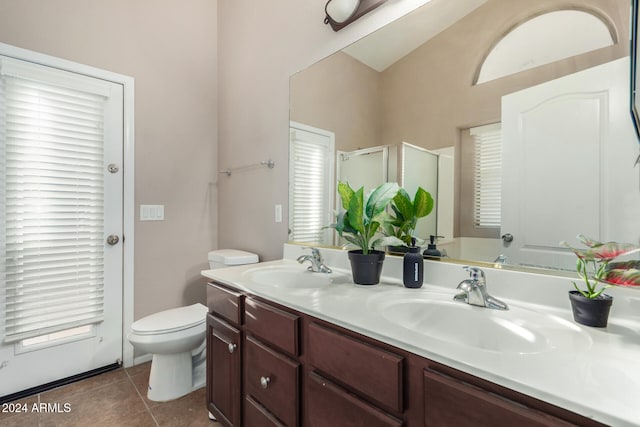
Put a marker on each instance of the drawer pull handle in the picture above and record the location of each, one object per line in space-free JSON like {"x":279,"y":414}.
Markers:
{"x":264,"y":382}
{"x":232,"y":347}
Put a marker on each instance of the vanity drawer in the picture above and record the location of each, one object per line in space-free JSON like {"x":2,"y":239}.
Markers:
{"x":272,"y":380}
{"x":328,"y":405}
{"x":273,"y":326}
{"x":449,"y":401}
{"x":225,"y":303}
{"x":374,"y":372}
{"x":256,"y":415}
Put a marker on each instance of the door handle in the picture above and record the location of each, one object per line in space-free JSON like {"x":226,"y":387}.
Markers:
{"x":507,"y":238}
{"x":113,"y":239}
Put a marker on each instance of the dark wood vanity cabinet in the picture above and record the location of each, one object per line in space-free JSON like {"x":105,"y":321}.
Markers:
{"x":224,"y":375}
{"x":270,"y":366}
{"x":224,"y":355}
{"x":449,"y":401}
{"x":329,"y":405}
{"x":351,"y":382}
{"x":453,"y":397}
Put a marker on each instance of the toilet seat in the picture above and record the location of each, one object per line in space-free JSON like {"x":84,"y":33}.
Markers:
{"x":172,"y":320}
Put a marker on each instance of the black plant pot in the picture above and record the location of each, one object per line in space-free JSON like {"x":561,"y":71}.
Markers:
{"x":590,"y":312}
{"x":366,"y":269}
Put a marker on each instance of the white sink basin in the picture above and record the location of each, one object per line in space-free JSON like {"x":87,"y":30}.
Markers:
{"x":293,"y":277}
{"x":517,"y":330}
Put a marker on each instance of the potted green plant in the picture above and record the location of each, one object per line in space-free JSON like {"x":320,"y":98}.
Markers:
{"x":358,"y":223}
{"x":597,"y":270}
{"x":406,"y":213}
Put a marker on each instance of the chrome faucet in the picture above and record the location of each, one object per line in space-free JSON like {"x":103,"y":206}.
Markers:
{"x":474,"y":291}
{"x":500,"y":259}
{"x":317,"y":261}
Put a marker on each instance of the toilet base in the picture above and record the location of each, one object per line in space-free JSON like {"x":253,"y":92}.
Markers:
{"x":170,"y":377}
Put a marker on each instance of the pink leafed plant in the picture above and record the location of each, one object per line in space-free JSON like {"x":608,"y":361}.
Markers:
{"x":595,"y":266}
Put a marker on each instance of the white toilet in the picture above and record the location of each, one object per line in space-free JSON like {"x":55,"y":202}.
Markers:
{"x":176,"y":339}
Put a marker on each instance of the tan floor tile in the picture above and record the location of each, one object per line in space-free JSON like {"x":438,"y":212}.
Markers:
{"x":141,"y":382}
{"x":143,"y":368}
{"x":138,"y":419}
{"x":113,"y":399}
{"x":188,"y":411}
{"x":118,"y":402}
{"x":84,"y":386}
{"x":20,"y":420}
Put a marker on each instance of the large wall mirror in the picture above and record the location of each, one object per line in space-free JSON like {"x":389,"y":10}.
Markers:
{"x":425,"y":100}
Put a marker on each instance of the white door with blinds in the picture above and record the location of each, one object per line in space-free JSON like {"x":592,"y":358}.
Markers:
{"x":61,"y":152}
{"x":310,"y":184}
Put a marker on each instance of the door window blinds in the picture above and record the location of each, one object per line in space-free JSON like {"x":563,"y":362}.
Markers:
{"x":487,"y":175}
{"x":310,"y":176}
{"x":51,"y":169}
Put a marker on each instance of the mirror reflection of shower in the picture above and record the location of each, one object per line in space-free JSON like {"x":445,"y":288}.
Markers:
{"x":433,"y":171}
{"x":312,"y":184}
{"x":411,"y":167}
{"x":367,"y":167}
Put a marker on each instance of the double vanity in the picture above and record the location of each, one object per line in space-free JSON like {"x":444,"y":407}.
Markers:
{"x":289,"y":347}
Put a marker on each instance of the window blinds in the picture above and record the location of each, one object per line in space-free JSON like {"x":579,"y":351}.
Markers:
{"x":487,"y":175}
{"x":309,"y":182}
{"x":51,"y":160}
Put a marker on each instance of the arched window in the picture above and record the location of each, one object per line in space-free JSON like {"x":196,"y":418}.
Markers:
{"x":544,"y":39}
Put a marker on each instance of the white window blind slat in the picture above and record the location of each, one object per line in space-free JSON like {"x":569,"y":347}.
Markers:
{"x":309,"y":201}
{"x":51,"y":147}
{"x":487,"y":175}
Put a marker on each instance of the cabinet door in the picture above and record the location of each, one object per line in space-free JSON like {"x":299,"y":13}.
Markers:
{"x":328,"y":405}
{"x":371,"y":371}
{"x":256,"y":415}
{"x":272,"y":380}
{"x":224,"y":394}
{"x":451,"y":402}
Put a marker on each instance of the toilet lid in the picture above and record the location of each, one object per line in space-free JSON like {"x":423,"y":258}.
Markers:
{"x":175,"y":319}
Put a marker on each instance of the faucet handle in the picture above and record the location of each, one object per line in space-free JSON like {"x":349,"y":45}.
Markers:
{"x":475,"y":273}
{"x":314,"y":251}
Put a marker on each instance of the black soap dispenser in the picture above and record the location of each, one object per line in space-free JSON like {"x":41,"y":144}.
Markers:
{"x":413,"y":272}
{"x":432,"y":251}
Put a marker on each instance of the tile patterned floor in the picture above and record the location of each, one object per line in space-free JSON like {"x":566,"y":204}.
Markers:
{"x":116,"y":398}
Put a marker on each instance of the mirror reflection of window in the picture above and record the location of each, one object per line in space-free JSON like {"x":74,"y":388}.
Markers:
{"x":487,"y":175}
{"x":310,"y":184}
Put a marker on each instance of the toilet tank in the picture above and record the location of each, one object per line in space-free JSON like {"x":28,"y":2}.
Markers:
{"x":228,"y":257}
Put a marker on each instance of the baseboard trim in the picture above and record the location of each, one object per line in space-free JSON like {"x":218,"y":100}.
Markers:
{"x":142,"y":359}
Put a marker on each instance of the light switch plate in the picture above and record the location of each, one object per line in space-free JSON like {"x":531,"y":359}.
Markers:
{"x":278,"y":213}
{"x":151,"y":212}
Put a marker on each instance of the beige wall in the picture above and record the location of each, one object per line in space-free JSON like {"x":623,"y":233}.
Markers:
{"x":262,"y":43}
{"x":170,"y":50}
{"x":342,"y":95}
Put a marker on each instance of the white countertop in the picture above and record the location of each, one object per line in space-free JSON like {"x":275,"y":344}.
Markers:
{"x":595,"y":372}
